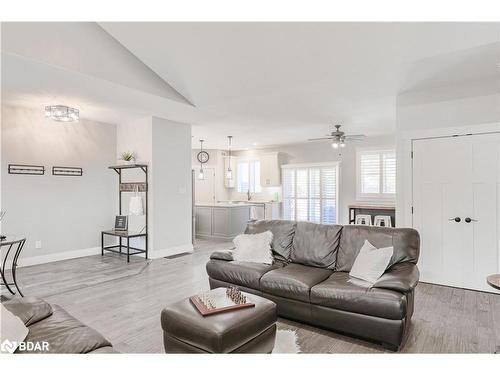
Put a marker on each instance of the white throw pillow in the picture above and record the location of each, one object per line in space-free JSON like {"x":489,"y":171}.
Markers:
{"x":371,"y":262}
{"x":12,"y":331}
{"x":253,"y":248}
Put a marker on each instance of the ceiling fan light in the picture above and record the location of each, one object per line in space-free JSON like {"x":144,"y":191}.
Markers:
{"x":335,"y":144}
{"x":342,"y":143}
{"x":201,"y":174}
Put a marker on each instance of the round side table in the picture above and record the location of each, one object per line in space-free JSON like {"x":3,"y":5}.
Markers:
{"x":10,"y":243}
{"x":494,"y":281}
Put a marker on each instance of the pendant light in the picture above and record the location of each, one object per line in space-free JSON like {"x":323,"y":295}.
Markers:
{"x":201,"y":174}
{"x":229,"y":172}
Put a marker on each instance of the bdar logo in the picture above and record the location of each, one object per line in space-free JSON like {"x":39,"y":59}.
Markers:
{"x":8,"y":346}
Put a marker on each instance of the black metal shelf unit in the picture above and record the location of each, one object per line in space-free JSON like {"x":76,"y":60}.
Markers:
{"x":129,"y":187}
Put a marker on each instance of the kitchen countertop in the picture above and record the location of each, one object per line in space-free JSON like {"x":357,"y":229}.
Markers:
{"x":224,"y":205}
{"x":249,"y":202}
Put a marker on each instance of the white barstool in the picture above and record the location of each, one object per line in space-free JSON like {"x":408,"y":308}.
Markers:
{"x":364,"y":219}
{"x":383,"y":221}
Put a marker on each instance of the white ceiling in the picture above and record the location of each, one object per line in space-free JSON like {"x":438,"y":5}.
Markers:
{"x":276,"y":83}
{"x":264,"y":84}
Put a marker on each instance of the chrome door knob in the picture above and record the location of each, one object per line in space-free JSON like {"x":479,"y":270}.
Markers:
{"x":468,"y":220}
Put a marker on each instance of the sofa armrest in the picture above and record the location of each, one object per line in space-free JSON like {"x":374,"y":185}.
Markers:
{"x":226,"y":255}
{"x":401,"y":277}
{"x":29,"y":309}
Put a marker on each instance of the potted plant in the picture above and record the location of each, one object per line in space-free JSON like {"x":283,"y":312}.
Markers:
{"x":128,"y":157}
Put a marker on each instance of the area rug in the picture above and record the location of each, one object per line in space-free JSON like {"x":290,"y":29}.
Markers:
{"x":286,"y":342}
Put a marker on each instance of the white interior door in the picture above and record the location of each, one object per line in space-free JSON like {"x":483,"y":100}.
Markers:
{"x":456,"y":205}
{"x":204,"y":190}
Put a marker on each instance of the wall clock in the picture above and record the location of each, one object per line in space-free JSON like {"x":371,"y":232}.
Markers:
{"x":202,"y":157}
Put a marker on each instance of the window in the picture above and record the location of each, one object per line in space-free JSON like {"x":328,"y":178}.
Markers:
{"x":248,"y":177}
{"x":376,"y":174}
{"x":310,"y":193}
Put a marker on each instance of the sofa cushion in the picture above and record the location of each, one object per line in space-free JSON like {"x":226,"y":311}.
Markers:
{"x":406,"y":243}
{"x":293,"y":281}
{"x":253,"y":247}
{"x":283,"y":232}
{"x":341,"y":292}
{"x":316,"y":245}
{"x":245,"y":274}
{"x":29,"y":309}
{"x":12,"y":331}
{"x":65,"y":334}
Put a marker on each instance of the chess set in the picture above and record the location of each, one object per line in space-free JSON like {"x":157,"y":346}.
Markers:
{"x":220,"y":300}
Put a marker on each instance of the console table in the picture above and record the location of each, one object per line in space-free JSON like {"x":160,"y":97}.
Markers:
{"x":17,"y":243}
{"x":494,"y":281}
{"x":127,"y":235}
{"x":373,"y":210}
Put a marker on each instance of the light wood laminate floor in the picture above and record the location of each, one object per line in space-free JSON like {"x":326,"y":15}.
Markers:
{"x":123,"y":302}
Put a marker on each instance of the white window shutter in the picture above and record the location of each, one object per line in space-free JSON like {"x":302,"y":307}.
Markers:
{"x":310,"y":194}
{"x":377,"y":174}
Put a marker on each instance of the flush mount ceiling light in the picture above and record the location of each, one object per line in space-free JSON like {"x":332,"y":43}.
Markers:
{"x":62,"y":113}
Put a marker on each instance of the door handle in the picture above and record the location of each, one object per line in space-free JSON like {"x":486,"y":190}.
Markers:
{"x":468,"y":220}
{"x":455,"y":219}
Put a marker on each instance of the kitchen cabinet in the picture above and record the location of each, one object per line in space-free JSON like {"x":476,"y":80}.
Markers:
{"x":203,"y":223}
{"x":223,"y":221}
{"x":267,"y":211}
{"x":270,"y":174}
{"x":273,"y":211}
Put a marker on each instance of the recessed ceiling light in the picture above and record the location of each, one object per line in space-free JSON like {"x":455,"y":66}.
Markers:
{"x":62,"y":113}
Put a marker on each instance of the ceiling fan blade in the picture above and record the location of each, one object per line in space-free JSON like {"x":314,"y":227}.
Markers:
{"x":354,"y":139}
{"x":355,"y":136}
{"x":320,"y":139}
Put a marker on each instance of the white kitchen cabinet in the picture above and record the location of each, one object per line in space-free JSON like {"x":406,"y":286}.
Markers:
{"x":267,"y":211}
{"x":221,"y":221}
{"x":203,"y":221}
{"x":273,"y":211}
{"x":270,"y":173}
{"x":232,"y":182}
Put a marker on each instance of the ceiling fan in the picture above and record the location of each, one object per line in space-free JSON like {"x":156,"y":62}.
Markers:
{"x":339,"y":138}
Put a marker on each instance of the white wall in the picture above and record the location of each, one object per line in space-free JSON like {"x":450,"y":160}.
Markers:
{"x":66,"y":213}
{"x":171,"y":153}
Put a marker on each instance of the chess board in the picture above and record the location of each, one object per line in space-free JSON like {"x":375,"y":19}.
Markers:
{"x":221,"y":300}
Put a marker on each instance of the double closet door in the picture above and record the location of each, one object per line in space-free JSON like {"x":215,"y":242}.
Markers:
{"x":456,"y":208}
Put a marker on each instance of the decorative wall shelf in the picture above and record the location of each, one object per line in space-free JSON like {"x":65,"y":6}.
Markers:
{"x":36,"y":170}
{"x":67,"y":171}
{"x":118,"y":168}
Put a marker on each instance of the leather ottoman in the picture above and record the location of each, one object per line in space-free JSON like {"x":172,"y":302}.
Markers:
{"x":249,"y":330}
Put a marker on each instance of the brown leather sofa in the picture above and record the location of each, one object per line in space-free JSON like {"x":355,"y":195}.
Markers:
{"x":53,"y":325}
{"x":309,"y":278}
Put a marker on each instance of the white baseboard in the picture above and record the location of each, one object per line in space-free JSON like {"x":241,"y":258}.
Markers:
{"x":186,"y":248}
{"x":54,"y":257}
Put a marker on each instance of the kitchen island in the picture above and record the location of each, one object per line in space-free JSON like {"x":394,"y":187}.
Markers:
{"x":221,"y":220}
